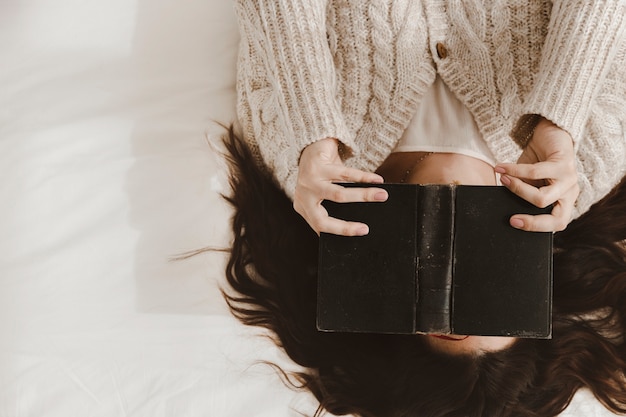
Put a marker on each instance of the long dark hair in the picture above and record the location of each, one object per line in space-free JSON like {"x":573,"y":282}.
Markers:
{"x":271,"y":275}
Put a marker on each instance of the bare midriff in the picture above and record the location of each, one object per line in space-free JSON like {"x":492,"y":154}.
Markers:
{"x":436,"y":168}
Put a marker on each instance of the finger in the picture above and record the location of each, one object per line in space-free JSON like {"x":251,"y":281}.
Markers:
{"x":556,"y":221}
{"x":321,"y":222}
{"x":538,"y":223}
{"x":339,"y":194}
{"x":538,"y":196}
{"x":342,"y":227}
{"x":347,"y":174}
{"x":536,"y":171}
{"x":316,"y":215}
{"x":548,"y":170}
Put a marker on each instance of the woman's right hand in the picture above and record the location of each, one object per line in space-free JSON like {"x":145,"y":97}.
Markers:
{"x":320,"y":166}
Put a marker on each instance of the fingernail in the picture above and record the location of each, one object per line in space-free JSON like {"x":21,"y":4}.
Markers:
{"x":362,"y":230}
{"x":380,"y":196}
{"x":500,"y":170}
{"x":517,"y":223}
{"x":505,"y":180}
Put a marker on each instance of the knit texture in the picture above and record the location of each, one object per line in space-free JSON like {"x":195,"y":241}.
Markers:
{"x":357,"y":70}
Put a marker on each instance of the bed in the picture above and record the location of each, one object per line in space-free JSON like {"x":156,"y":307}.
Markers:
{"x":109,"y":170}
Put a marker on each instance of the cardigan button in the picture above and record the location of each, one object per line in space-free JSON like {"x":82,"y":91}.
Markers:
{"x":442,"y":51}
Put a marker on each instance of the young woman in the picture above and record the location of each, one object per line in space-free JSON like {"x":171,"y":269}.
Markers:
{"x":272,"y":278}
{"x":529,"y":95}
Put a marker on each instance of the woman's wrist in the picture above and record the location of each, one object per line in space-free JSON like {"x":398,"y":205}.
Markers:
{"x":328,"y":146}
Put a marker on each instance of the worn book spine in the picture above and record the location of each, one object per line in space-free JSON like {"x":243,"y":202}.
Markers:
{"x":435,"y":234}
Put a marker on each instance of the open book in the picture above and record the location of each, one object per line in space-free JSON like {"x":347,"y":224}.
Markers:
{"x":438,"y":259}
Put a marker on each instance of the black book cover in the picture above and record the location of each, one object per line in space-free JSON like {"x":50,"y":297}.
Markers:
{"x":438,"y":259}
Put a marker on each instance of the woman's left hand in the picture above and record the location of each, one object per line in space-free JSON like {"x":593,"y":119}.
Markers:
{"x":544,"y":174}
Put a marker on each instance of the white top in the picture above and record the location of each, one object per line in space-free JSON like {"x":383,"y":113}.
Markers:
{"x":443,"y":124}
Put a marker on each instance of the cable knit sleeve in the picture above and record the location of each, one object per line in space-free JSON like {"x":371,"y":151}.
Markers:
{"x":582,"y":41}
{"x":286,"y":82}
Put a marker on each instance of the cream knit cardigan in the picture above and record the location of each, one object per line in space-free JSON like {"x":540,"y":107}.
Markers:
{"x":357,"y":70}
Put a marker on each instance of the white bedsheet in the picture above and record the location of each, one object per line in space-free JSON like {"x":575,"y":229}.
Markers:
{"x":105,"y":174}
